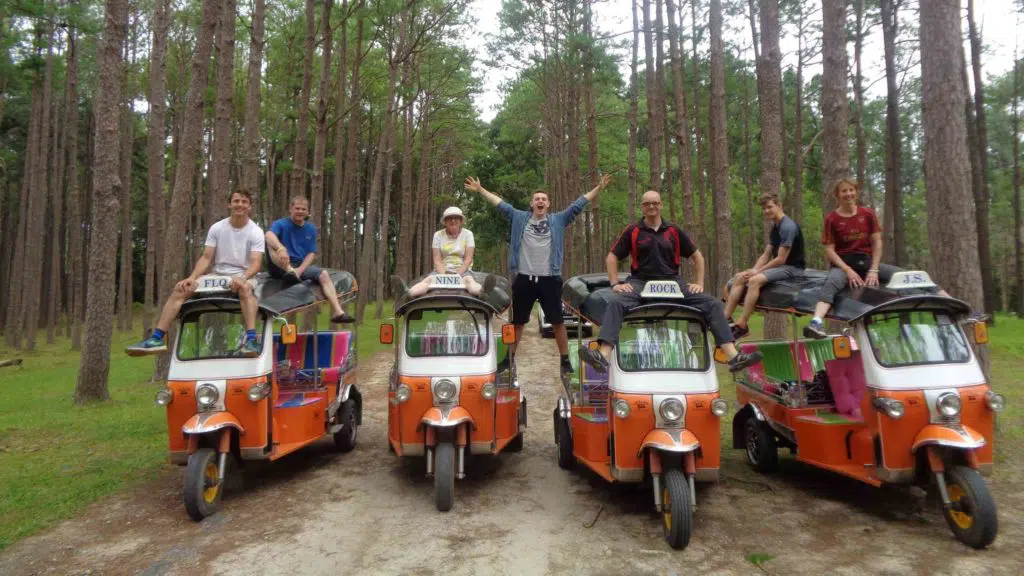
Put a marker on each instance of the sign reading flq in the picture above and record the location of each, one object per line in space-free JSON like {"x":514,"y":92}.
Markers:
{"x":212,"y":283}
{"x":910,"y":279}
{"x":662,"y":289}
{"x":449,"y":281}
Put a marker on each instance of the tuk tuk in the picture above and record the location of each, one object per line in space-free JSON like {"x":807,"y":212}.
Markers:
{"x":224,"y":409}
{"x":656,"y":412}
{"x":453,"y":387}
{"x":898,"y":397}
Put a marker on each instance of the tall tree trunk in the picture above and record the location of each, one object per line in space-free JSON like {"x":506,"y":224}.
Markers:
{"x":748,"y":184}
{"x":422,"y":188}
{"x":650,"y":82}
{"x":947,"y":173}
{"x":405,"y":220}
{"x":298,"y":177}
{"x":224,"y":56}
{"x":76,"y":239}
{"x":634,"y":97}
{"x":1018,"y":228}
{"x":796,"y":207}
{"x":350,"y":191}
{"x":383,"y":252}
{"x":320,"y":144}
{"x":99,"y":309}
{"x":14,"y":326}
{"x":594,"y":229}
{"x":858,"y":96}
{"x":701,"y":230}
{"x":57,"y":230}
{"x":124,"y":320}
{"x":719,"y":151}
{"x":835,"y":155}
{"x":682,"y":127}
{"x":981,"y":184}
{"x":895,"y":247}
{"x":155,"y":154}
{"x":251,"y":138}
{"x":337,"y":184}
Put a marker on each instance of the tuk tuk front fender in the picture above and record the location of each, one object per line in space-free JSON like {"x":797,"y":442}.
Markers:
{"x":670,"y":440}
{"x":949,"y":436}
{"x":211,"y":422}
{"x":446,"y":417}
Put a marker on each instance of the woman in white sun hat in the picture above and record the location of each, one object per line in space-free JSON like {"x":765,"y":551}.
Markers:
{"x":452,"y":249}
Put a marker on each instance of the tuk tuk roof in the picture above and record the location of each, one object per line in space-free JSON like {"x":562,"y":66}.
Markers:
{"x":588,"y":295}
{"x":497,"y":301}
{"x":800,"y":295}
{"x":276,"y":297}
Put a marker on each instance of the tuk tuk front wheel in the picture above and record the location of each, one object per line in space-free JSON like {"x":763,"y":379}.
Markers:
{"x":203,"y":488}
{"x":345,"y":439}
{"x":971,"y":514}
{"x":762,"y":452}
{"x":566,"y":459}
{"x":444,"y":476}
{"x":677,"y":513}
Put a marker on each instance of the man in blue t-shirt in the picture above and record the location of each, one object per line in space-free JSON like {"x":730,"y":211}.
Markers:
{"x":291,"y":246}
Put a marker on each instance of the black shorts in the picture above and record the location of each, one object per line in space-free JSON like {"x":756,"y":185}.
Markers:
{"x":311,"y":273}
{"x":528,"y":289}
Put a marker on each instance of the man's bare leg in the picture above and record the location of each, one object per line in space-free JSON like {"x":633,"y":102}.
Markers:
{"x":735,"y":296}
{"x":754,"y":285}
{"x":171,"y":309}
{"x":247,"y":299}
{"x":330,"y":294}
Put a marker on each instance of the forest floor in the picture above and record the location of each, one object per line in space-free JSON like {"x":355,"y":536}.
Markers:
{"x":318,"y":512}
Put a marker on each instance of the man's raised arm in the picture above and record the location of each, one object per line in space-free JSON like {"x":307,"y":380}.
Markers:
{"x":473,"y":185}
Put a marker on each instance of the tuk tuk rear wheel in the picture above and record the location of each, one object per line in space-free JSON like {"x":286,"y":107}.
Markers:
{"x":566,"y":459}
{"x":444,"y":476}
{"x":972,"y":512}
{"x":677,"y":513}
{"x":762,"y":452}
{"x":345,"y":439}
{"x":202,"y":490}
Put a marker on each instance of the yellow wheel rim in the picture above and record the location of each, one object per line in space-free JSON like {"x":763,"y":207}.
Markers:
{"x":963,"y":520}
{"x":210,"y":477}
{"x":666,"y":509}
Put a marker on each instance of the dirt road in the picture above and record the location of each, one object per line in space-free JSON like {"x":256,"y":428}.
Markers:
{"x":318,"y":512}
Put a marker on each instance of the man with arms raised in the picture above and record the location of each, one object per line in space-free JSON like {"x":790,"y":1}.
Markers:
{"x":783,"y":258}
{"x":535,"y":257}
{"x":656,"y":248}
{"x":292,"y":244}
{"x":234,"y":247}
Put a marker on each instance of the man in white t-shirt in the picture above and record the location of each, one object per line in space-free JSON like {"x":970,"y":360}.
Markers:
{"x":234,"y":247}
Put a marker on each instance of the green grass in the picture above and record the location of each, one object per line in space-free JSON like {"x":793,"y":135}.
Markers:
{"x":56,"y":458}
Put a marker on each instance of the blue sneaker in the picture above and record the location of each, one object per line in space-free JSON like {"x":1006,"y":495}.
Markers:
{"x":249,"y":348}
{"x":816,"y":330}
{"x":151,"y":345}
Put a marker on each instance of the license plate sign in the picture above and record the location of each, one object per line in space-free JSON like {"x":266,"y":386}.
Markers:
{"x":207,"y":284}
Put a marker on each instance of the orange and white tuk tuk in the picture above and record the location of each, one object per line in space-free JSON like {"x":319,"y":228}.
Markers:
{"x":224,"y":409}
{"x":898,"y":397}
{"x":453,"y":388}
{"x":656,"y":412}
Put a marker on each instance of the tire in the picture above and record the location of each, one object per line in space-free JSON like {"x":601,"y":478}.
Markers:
{"x":563,"y":438}
{"x":202,"y":490}
{"x":972,"y":512}
{"x":677,"y":512}
{"x":444,"y":476}
{"x":516,"y":445}
{"x":762,"y":451}
{"x":345,"y":439}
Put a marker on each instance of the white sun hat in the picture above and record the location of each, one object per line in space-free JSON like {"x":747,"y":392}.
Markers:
{"x":451,"y":211}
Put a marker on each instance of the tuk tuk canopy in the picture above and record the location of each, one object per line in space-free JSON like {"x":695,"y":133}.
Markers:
{"x":277,"y":297}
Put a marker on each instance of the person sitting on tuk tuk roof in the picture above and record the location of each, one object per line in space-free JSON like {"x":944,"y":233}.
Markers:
{"x":292,"y":244}
{"x":452,"y":253}
{"x":656,"y":248}
{"x":783,"y":258}
{"x":853,"y":246}
{"x":234,"y":247}
{"x":535,"y":259}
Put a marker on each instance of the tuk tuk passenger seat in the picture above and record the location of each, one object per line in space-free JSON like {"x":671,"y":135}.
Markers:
{"x":848,"y":384}
{"x":330,"y":354}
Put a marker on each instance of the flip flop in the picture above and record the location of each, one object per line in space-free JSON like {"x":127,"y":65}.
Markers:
{"x":343,"y":318}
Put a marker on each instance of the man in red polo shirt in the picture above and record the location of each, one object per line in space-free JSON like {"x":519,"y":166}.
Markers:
{"x":656,"y":252}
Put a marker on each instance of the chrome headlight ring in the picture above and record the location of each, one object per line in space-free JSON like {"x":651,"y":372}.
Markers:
{"x":948,"y":404}
{"x":164,"y":397}
{"x":995,"y":401}
{"x":621,"y":408}
{"x":207,"y":395}
{"x":403,"y":393}
{"x":259,"y":391}
{"x":719,"y":407}
{"x":892,"y":408}
{"x":671,"y":410}
{"x":489,"y":391}
{"x":445,"y":390}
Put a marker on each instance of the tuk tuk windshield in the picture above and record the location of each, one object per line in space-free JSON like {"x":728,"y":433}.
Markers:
{"x":213,"y":334}
{"x":908,"y":338}
{"x":446,"y":332}
{"x":662,"y":344}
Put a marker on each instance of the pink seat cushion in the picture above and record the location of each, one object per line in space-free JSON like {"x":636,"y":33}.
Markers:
{"x":846,"y":379}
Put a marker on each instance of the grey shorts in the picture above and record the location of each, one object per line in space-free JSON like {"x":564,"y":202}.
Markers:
{"x":783,"y":272}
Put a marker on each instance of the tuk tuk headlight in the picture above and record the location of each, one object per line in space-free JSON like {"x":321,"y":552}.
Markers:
{"x":207,"y":395}
{"x":995,"y":401}
{"x":259,"y":391}
{"x":671,"y":410}
{"x":489,"y":391}
{"x":165,"y":397}
{"x":893,"y":408}
{"x":402,"y":393}
{"x":621,"y":408}
{"x":948,"y":404}
{"x":719,"y":407}
{"x":445,"y":390}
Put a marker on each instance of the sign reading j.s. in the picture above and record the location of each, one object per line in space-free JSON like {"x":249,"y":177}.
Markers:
{"x":910,"y":279}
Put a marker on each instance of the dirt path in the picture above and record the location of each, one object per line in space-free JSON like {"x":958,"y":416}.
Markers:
{"x":318,"y":512}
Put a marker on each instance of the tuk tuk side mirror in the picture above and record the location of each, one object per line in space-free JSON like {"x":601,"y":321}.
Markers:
{"x":841,"y":347}
{"x":288,"y":333}
{"x":508,"y":334}
{"x":980,"y":333}
{"x":721,"y":357}
{"x":387,"y":333}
